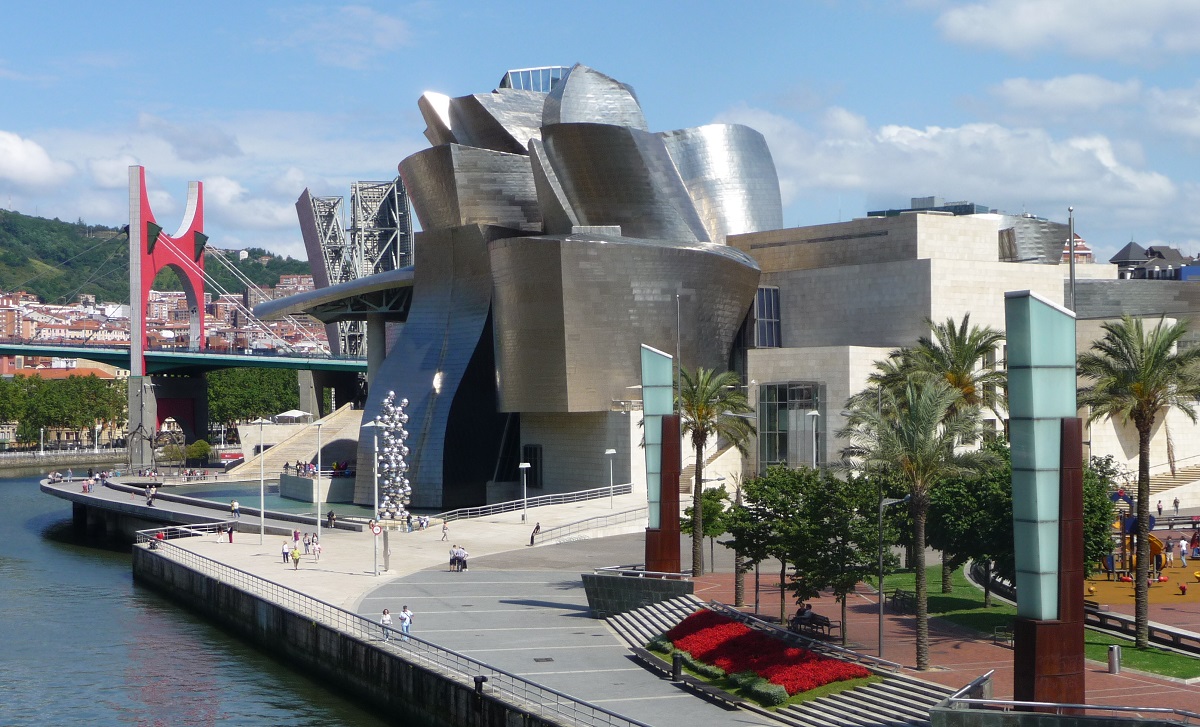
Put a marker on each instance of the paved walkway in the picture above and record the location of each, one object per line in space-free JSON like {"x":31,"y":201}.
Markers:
{"x":518,"y":606}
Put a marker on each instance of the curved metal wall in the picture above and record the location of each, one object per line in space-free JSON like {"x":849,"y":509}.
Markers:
{"x":571,"y":312}
{"x":588,"y":96}
{"x":614,"y":175}
{"x":730,"y":175}
{"x":453,"y":185}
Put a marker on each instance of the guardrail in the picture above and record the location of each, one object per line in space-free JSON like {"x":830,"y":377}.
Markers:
{"x":1182,"y":716}
{"x":1160,"y":634}
{"x":814,"y":645}
{"x":591,"y":523}
{"x":466,"y":513}
{"x":64,"y":454}
{"x":639,"y":571}
{"x":521,"y":692}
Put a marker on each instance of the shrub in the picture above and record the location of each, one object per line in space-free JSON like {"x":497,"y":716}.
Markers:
{"x":708,"y":671}
{"x":661,"y":645}
{"x":767,"y":693}
{"x":745,"y":678}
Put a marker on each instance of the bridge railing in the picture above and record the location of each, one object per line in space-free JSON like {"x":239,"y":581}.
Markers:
{"x":465,"y":513}
{"x":555,"y":705}
{"x":120,"y":345}
{"x":591,"y":523}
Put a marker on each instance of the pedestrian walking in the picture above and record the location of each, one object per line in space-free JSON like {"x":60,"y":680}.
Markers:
{"x":385,"y":622}
{"x":537,"y":528}
{"x":230,"y":531}
{"x":307,"y":543}
{"x":287,"y":551}
{"x":1170,"y":550}
{"x":316,"y":550}
{"x":1183,"y":551}
{"x":408,"y":522}
{"x":235,"y":509}
{"x":1176,"y":505}
{"x":295,"y":557}
{"x":406,"y":619}
{"x":70,"y":475}
{"x":1160,"y":508}
{"x":445,"y":531}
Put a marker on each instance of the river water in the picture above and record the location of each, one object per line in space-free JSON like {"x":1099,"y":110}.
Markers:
{"x":81,"y":644}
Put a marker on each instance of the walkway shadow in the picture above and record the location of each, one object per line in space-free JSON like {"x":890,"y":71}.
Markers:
{"x":579,"y":610}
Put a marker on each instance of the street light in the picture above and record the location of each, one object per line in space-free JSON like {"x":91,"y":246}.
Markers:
{"x":610,"y":453}
{"x":42,"y":441}
{"x":815,"y":415}
{"x":262,"y":483}
{"x":524,"y":466}
{"x":374,"y":425}
{"x":884,"y":502}
{"x":96,"y":440}
{"x":318,"y":478}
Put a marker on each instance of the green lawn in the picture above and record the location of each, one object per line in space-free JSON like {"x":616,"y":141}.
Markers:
{"x":964,"y":606}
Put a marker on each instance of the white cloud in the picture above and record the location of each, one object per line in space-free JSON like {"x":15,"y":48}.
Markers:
{"x":230,"y":203}
{"x":350,"y":36}
{"x":1007,"y":168}
{"x":24,"y":163}
{"x":111,"y":172}
{"x":1090,"y":28}
{"x":1066,"y":95}
{"x":1175,"y":110}
{"x":191,"y":142}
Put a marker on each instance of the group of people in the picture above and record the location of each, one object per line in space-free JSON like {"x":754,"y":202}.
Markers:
{"x":88,"y":483}
{"x":309,"y":469}
{"x":458,"y":558}
{"x":1185,"y":545}
{"x":148,"y":473}
{"x":405,"y":617}
{"x":1174,"y":504}
{"x":189,"y":475}
{"x":291,"y":548}
{"x":151,"y":493}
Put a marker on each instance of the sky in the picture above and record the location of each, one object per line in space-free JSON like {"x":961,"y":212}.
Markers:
{"x":1021,"y":105}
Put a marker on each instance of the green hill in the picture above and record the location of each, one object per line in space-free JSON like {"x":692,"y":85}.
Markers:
{"x":58,"y":260}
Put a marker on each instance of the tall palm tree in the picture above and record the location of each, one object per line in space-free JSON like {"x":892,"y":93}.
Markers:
{"x":710,"y":404}
{"x":1135,"y":376}
{"x":961,"y":354}
{"x":917,"y":435}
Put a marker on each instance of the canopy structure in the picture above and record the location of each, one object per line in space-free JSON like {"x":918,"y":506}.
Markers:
{"x":293,"y":414}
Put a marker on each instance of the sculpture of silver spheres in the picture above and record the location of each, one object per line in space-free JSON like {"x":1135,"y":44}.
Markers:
{"x":395,"y":490}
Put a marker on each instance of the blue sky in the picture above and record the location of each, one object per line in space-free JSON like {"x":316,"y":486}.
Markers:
{"x":1023,"y":105}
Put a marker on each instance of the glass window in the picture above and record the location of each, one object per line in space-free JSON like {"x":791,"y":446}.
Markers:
{"x":789,"y":431}
{"x":766,"y":314}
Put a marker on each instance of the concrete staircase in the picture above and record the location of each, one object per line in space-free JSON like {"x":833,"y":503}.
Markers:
{"x":1166,"y":481}
{"x":897,"y":701}
{"x":339,"y":442}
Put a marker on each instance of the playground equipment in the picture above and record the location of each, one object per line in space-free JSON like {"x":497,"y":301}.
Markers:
{"x":1124,"y":560}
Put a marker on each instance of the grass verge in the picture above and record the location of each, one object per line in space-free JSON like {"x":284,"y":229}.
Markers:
{"x":964,"y":606}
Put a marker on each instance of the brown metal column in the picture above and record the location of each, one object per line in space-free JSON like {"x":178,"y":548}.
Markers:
{"x":662,"y":543}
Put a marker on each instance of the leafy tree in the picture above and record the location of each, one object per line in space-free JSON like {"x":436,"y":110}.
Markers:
{"x":198,"y":450}
{"x":972,"y":517}
{"x":1099,"y":511}
{"x":245,"y":394}
{"x":761,"y":524}
{"x":1135,"y":376}
{"x":920,"y":441}
{"x":174,"y":453}
{"x":713,"y":502}
{"x":709,"y":405}
{"x":834,"y":539}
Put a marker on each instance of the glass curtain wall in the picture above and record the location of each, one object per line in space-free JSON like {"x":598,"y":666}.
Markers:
{"x":791,"y":424}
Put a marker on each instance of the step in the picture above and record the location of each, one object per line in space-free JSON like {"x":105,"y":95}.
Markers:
{"x":901,"y":687}
{"x":815,"y":713}
{"x":868,"y":712}
{"x":873,"y":693}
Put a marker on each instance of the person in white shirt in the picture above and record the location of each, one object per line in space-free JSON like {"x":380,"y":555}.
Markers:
{"x":406,"y":618}
{"x":385,"y":621}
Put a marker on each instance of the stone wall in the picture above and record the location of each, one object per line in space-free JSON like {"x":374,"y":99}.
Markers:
{"x":609,"y":595}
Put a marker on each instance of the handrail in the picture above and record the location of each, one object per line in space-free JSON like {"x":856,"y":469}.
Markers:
{"x":639,"y":571}
{"x":590,"y":523}
{"x":505,"y":685}
{"x":465,"y":513}
{"x":976,"y":683}
{"x":1008,"y":705}
{"x":813,"y":644}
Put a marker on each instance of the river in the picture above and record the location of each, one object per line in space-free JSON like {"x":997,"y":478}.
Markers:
{"x":81,"y":644}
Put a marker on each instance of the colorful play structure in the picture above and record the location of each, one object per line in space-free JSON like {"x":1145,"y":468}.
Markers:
{"x":1122,"y":562}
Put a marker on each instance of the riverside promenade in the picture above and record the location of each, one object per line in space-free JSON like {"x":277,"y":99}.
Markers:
{"x":522,"y":609}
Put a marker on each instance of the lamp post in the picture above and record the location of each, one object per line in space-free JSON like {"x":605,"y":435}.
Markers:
{"x":318,"y":478}
{"x":262,"y":484}
{"x":816,"y":415}
{"x":610,"y":453}
{"x":374,"y":425}
{"x":884,"y":502}
{"x":42,"y":441}
{"x":96,"y":439}
{"x":524,"y":466}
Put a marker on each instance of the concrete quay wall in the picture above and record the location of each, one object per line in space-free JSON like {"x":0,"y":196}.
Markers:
{"x":404,"y":691}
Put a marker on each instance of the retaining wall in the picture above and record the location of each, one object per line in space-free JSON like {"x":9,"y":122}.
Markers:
{"x":403,"y":691}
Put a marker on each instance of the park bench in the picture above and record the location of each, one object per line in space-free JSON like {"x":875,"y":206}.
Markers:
{"x":903,"y":601}
{"x":813,"y":626}
{"x":1002,"y":635}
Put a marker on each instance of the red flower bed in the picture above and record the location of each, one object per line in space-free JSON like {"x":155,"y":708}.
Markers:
{"x":719,"y":640}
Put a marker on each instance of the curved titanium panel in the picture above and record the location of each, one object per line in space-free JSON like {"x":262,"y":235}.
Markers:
{"x":455,"y":185}
{"x":571,"y":312}
{"x":588,"y":96}
{"x":613,"y":175}
{"x":557,"y":215}
{"x":428,"y":359}
{"x":435,"y":109}
{"x":503,"y":120}
{"x":730,"y":176}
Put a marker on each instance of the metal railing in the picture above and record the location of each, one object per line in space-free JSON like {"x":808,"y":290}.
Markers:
{"x":591,"y":523}
{"x":977,"y":685}
{"x":522,"y":693}
{"x":639,"y":571}
{"x":814,"y":645}
{"x":1182,"y":716}
{"x":466,"y":513}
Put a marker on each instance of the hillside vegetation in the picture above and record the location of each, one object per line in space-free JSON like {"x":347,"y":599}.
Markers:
{"x":57,"y":261}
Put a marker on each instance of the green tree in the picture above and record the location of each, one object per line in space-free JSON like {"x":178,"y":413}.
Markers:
{"x":761,"y":524}
{"x":174,"y":453}
{"x":1135,"y":376}
{"x":1099,"y":511}
{"x":198,"y":450}
{"x":709,"y":406}
{"x":834,"y":539}
{"x":713,"y":502}
{"x":921,"y":441}
{"x":236,"y":395}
